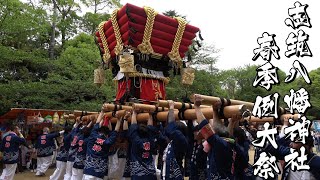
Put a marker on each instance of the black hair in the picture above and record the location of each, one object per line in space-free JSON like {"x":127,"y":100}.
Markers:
{"x":86,"y":131}
{"x":182,"y":127}
{"x":104,"y":129}
{"x":143,"y":131}
{"x":67,"y":129}
{"x":220,"y":129}
{"x":309,"y":141}
{"x":240,"y":135}
{"x":12,"y":127}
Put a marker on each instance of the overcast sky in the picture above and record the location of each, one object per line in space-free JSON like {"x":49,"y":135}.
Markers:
{"x":234,"y":26}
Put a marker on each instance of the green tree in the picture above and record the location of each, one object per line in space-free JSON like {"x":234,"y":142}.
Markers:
{"x":238,"y":84}
{"x":173,"y":13}
{"x":313,"y":90}
{"x":90,"y":21}
{"x":66,"y":83}
{"x":101,"y":5}
{"x":22,"y":25}
{"x":205,"y":58}
{"x":204,"y":83}
{"x":64,"y":17}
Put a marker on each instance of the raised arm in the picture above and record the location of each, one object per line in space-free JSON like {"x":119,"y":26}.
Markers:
{"x":171,"y":117}
{"x":206,"y":128}
{"x":150,"y":120}
{"x":285,"y":125}
{"x":117,"y":128}
{"x":125,"y":124}
{"x":233,"y":121}
{"x":100,"y":117}
{"x":89,"y":124}
{"x":125,"y":120}
{"x":20,"y":139}
{"x":76,"y":124}
{"x":134,"y":117}
{"x":197,"y":103}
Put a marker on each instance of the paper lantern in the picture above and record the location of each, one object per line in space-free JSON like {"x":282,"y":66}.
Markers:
{"x":99,"y":76}
{"x":55,"y":119}
{"x":62,"y":121}
{"x":126,"y":63}
{"x":187,"y":76}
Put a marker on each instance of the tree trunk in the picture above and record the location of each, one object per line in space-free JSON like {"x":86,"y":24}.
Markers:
{"x":64,"y":28}
{"x":53,"y":32}
{"x":63,"y":37}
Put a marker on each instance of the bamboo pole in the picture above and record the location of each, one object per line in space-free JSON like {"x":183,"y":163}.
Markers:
{"x":78,"y":113}
{"x":112,"y":107}
{"x":178,"y":105}
{"x":209,"y":100}
{"x":89,"y":117}
{"x":295,"y":117}
{"x":271,"y":119}
{"x":145,"y":107}
{"x":259,"y":120}
{"x":189,"y":114}
{"x":148,"y":107}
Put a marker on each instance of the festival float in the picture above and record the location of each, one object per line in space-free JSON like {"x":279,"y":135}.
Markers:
{"x":141,"y":46}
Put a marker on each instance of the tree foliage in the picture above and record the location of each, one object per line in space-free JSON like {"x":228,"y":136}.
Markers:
{"x":22,"y":26}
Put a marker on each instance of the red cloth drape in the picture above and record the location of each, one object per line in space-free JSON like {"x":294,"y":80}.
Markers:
{"x":150,"y":89}
{"x":121,"y":90}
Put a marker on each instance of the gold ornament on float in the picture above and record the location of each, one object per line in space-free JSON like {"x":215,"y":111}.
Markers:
{"x":126,"y":63}
{"x":187,"y":76}
{"x":99,"y":76}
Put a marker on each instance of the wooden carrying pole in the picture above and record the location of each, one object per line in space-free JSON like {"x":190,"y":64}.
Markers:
{"x":209,"y":100}
{"x":271,"y":119}
{"x":112,"y":107}
{"x":189,"y":114}
{"x":179,"y":105}
{"x":91,"y":117}
{"x":145,"y":107}
{"x":78,"y":113}
{"x":148,"y":107}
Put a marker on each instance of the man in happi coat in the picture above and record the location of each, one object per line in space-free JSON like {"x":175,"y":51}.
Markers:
{"x":45,"y":146}
{"x":99,"y":143}
{"x":10,"y":148}
{"x":75,"y":133}
{"x":62,"y":155}
{"x":142,"y":137}
{"x":77,"y":169}
{"x":176,"y":149}
{"x":222,"y":152}
{"x":284,"y":149}
{"x":198,"y":162}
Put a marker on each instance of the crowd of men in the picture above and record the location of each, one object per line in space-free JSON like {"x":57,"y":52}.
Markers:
{"x":199,"y":149}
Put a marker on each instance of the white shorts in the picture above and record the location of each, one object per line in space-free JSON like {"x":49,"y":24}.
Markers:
{"x":89,"y":177}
